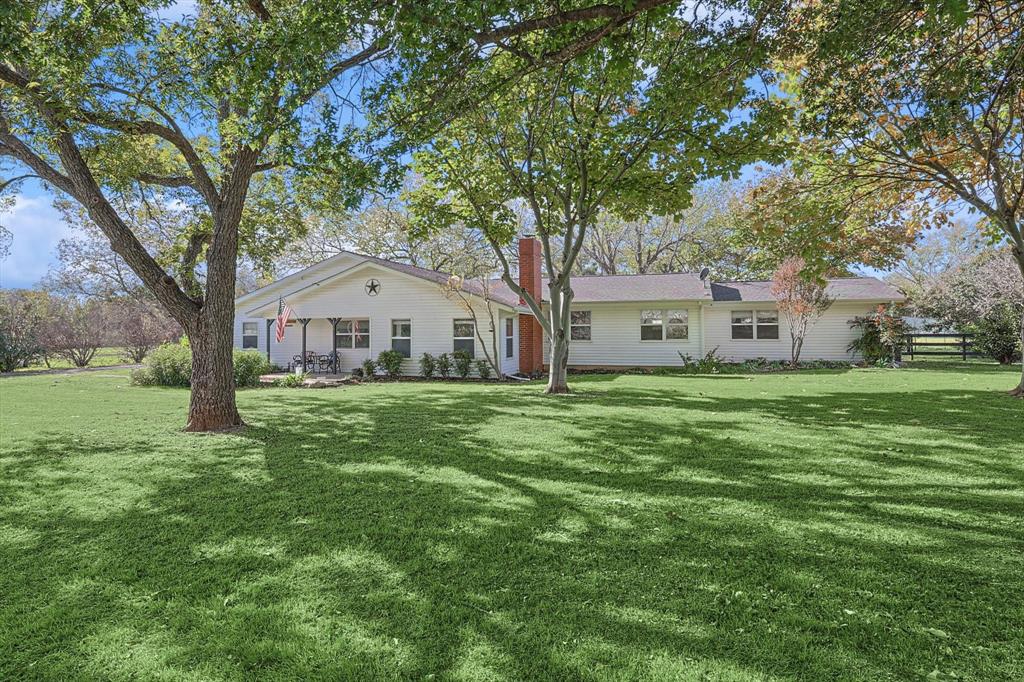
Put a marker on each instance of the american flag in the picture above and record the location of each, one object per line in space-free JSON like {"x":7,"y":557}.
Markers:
{"x":284,"y":312}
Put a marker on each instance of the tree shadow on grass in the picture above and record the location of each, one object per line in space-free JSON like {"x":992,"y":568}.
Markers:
{"x":376,"y":534}
{"x":984,"y":418}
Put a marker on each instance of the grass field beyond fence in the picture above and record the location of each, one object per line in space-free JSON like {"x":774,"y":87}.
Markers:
{"x":105,"y":357}
{"x":834,"y":525}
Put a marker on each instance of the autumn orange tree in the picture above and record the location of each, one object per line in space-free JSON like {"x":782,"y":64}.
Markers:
{"x":825,"y":222}
{"x":918,"y":101}
{"x":802,"y":297}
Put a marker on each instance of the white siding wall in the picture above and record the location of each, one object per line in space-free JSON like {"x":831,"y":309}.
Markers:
{"x":261,"y":333}
{"x":826,"y":340}
{"x":615,"y":337}
{"x":615,"y":327}
{"x":401,"y":297}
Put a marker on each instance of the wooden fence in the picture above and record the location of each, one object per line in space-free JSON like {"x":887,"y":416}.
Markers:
{"x":939,"y":344}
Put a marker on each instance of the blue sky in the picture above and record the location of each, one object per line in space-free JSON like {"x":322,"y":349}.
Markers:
{"x":35,"y":224}
{"x":37,"y":227}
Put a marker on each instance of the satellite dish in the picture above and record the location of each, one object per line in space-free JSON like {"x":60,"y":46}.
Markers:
{"x":704,"y":273}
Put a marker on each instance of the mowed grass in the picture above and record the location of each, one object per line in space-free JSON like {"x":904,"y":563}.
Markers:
{"x":854,"y":525}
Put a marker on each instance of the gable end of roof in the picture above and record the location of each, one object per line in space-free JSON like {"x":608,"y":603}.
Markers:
{"x":500,"y":294}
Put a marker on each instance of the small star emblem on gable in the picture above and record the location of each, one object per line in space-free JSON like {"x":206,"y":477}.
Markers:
{"x":372,"y":287}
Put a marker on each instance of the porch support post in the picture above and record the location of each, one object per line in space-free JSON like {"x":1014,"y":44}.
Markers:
{"x":334,"y":341}
{"x":304,"y":321}
{"x":270,"y":325}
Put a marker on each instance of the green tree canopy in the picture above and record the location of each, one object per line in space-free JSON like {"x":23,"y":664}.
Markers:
{"x":626,"y":129}
{"x":928,"y":109}
{"x":246,"y":111}
{"x":829,"y":225}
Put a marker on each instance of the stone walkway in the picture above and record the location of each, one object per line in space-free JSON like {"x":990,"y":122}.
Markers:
{"x":314,"y":380}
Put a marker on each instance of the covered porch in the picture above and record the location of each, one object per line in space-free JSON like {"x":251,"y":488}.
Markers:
{"x":325,"y":346}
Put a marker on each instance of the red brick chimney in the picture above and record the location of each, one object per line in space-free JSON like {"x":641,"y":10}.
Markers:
{"x":531,"y":335}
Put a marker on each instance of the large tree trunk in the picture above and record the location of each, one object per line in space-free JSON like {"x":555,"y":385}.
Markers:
{"x":209,"y":322}
{"x":212,"y":404}
{"x":558,"y":361}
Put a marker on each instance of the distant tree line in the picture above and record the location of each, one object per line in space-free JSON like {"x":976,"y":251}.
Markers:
{"x":38,"y":326}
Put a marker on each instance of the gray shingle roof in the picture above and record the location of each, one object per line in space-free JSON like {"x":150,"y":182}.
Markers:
{"x":686,"y":286}
{"x":845,"y":289}
{"x":682,"y":286}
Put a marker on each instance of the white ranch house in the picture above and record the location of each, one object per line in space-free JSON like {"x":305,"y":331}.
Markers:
{"x":363,"y":305}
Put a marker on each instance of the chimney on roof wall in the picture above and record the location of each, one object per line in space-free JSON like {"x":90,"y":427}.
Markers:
{"x":531,"y":335}
{"x":529,"y":266}
{"x":705,"y":276}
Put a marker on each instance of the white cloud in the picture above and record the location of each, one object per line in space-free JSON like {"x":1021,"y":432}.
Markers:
{"x":176,"y":11}
{"x":36,"y":228}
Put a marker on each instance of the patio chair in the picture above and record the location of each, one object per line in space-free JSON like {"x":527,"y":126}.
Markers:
{"x":324,"y":361}
{"x":312,"y":363}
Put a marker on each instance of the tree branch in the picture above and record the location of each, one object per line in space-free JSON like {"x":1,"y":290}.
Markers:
{"x":203,"y":183}
{"x":77,"y":181}
{"x":15,"y":180}
{"x":165,"y":180}
{"x":259,"y":9}
{"x":564,"y":17}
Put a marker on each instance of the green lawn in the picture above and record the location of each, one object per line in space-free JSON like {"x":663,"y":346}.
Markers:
{"x":857,"y":525}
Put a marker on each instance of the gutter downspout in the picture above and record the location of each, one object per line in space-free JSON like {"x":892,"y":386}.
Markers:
{"x":703,"y":330}
{"x":705,"y":278}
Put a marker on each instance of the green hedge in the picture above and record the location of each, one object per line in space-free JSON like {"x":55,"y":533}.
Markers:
{"x":171,"y":365}
{"x":390,"y":361}
{"x":249,"y":366}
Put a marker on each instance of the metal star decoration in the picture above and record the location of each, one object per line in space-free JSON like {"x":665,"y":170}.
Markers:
{"x":372,"y":287}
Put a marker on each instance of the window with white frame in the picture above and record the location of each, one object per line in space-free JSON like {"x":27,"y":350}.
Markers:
{"x":742,"y":324}
{"x":464,"y":335}
{"x":401,"y":337}
{"x":755,"y":324}
{"x":652,"y":327}
{"x":250,"y":335}
{"x":509,"y":337}
{"x":767,"y":324}
{"x":664,"y":325}
{"x":579,"y":325}
{"x":353,"y":333}
{"x":677,"y":325}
